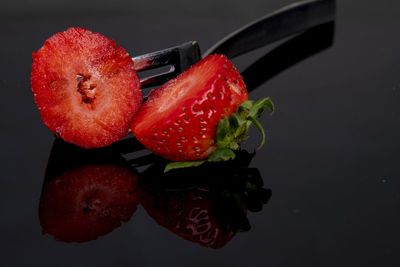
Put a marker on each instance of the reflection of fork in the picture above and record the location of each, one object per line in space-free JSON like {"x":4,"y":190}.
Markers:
{"x":295,"y":18}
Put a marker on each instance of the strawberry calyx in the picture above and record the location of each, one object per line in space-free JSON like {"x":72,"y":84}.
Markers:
{"x":231,"y":132}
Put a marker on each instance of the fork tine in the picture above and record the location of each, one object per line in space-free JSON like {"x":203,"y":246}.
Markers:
{"x":155,"y":59}
{"x":159,"y":78}
{"x":180,"y":58}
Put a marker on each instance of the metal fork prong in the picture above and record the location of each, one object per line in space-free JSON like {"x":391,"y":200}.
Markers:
{"x":155,"y":60}
{"x":159,"y":78}
{"x":180,"y":58}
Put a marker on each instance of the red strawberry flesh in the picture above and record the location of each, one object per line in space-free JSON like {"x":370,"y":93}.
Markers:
{"x":85,"y":87}
{"x":180,"y":119}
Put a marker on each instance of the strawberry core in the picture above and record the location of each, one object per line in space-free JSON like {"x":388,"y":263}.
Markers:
{"x":85,"y":88}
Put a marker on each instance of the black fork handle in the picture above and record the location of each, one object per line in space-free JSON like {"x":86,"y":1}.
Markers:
{"x":282,"y":23}
{"x":290,"y":20}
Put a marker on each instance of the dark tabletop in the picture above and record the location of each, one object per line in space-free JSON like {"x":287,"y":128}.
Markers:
{"x":332,"y":159}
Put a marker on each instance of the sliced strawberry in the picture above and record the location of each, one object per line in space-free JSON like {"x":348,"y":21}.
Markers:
{"x":87,"y":202}
{"x":180,"y":119}
{"x":85,"y":87}
{"x":187,"y":118}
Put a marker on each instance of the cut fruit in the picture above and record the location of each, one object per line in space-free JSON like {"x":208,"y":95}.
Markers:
{"x":85,"y":88}
{"x":179,"y":120}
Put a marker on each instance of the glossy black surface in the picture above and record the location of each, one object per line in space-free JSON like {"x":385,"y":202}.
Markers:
{"x":331,"y":160}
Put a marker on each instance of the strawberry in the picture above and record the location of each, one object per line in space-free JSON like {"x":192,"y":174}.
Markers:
{"x":187,"y":118}
{"x":85,"y":87}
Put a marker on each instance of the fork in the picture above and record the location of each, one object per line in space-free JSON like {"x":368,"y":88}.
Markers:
{"x":292,"y":19}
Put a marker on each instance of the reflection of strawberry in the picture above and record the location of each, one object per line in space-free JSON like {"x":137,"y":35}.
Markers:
{"x":85,"y":87}
{"x":87,"y":202}
{"x":211,"y":206}
{"x":187,"y":214}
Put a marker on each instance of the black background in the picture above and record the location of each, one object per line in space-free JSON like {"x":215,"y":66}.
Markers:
{"x":332,"y":158}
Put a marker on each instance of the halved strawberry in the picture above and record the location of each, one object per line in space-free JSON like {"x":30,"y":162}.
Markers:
{"x":87,"y":202}
{"x":85,"y":87}
{"x":181,"y":120}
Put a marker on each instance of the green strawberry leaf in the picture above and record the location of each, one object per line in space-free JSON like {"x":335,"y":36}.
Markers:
{"x":239,"y":127}
{"x":260,"y":128}
{"x":244,"y":108}
{"x":184,"y":164}
{"x":259,"y":107}
{"x":270,"y":105}
{"x":221,"y":154}
{"x":223,"y":132}
{"x":234,"y":121}
{"x":240,"y":135}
